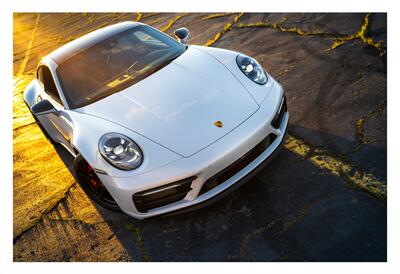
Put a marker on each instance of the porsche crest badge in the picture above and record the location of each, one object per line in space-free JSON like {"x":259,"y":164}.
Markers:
{"x":218,"y":124}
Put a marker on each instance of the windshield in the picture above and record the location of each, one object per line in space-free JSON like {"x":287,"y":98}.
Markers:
{"x":115,"y":64}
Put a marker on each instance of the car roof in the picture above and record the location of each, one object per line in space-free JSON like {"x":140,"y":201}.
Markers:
{"x":86,"y":41}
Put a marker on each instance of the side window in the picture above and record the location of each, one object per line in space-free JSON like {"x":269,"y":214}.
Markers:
{"x":46,"y":80}
{"x":40,"y":75}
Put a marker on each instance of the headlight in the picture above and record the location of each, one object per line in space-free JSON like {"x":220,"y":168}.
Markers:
{"x":252,"y":69}
{"x":120,"y":151}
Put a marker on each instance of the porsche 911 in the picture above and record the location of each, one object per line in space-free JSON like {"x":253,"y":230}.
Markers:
{"x":157,"y":125}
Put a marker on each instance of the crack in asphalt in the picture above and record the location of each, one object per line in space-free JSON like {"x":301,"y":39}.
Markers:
{"x":216,"y":15}
{"x":288,"y":68}
{"x":321,"y":157}
{"x":89,"y":18}
{"x":24,"y":125}
{"x":140,"y":242}
{"x":228,"y":26}
{"x":29,"y":47}
{"x":360,"y":133}
{"x":172,"y":21}
{"x":278,"y":26}
{"x":139,"y":16}
{"x":340,"y":39}
{"x":74,"y":37}
{"x":285,"y":225}
{"x":245,"y":241}
{"x":342,"y":168}
{"x":148,"y":15}
{"x":22,"y":116}
{"x":362,"y":34}
{"x":156,"y":20}
{"x":55,"y":200}
{"x":73,"y":220}
{"x":301,"y":214}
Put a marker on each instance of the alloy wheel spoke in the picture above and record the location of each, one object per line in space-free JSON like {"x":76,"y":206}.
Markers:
{"x":85,"y":175}
{"x":98,"y":190}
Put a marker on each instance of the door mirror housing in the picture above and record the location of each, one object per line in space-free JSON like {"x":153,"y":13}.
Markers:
{"x":182,"y":35}
{"x":43,"y":107}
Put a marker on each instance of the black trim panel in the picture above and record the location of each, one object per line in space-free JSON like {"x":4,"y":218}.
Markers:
{"x":233,"y":187}
{"x":42,"y":106}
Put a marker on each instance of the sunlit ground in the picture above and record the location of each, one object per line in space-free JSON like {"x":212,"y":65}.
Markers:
{"x":40,"y":176}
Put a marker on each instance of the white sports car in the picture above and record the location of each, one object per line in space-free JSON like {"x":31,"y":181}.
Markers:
{"x":157,"y":125}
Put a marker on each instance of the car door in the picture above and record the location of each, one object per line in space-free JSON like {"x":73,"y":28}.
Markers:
{"x":57,"y":123}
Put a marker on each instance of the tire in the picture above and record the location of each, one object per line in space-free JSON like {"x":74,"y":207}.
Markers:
{"x":92,"y":185}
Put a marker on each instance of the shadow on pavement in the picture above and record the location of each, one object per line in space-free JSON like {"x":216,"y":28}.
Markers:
{"x":291,"y":211}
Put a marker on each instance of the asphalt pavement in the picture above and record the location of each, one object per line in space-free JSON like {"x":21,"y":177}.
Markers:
{"x":322,"y":199}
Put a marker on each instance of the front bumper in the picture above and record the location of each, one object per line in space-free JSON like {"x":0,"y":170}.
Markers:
{"x":234,"y":186}
{"x":207,"y":163}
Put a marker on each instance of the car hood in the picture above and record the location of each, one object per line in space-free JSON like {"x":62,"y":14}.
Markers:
{"x":179,"y":105}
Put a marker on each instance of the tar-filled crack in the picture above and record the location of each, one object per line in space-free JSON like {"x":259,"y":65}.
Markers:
{"x":216,"y":15}
{"x":279,"y":26}
{"x":24,"y":125}
{"x":172,"y":21}
{"x":283,"y":223}
{"x":360,"y":132}
{"x":303,"y":212}
{"x":244,"y":243}
{"x":148,"y":15}
{"x":73,"y":220}
{"x":21,"y":116}
{"x":74,"y":37}
{"x":156,"y":20}
{"x":362,"y":34}
{"x":29,"y":48}
{"x":89,"y":18}
{"x":139,"y":16}
{"x":227,"y":27}
{"x":338,"y":166}
{"x":62,"y":194}
{"x":319,"y":156}
{"x":288,"y":68}
{"x":140,"y":242}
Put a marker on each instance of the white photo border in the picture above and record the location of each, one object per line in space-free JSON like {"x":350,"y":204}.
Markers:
{"x":8,"y":7}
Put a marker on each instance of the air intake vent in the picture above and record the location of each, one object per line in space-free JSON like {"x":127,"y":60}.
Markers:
{"x":237,"y":166}
{"x":276,"y":122}
{"x":163,"y":195}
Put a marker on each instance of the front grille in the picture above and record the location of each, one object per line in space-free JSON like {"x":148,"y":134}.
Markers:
{"x":276,"y":122}
{"x":163,"y":195}
{"x":238,"y":165}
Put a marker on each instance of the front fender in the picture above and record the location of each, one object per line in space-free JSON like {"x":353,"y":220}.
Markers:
{"x":228,"y":59}
{"x":32,"y":93}
{"x":86,"y":135}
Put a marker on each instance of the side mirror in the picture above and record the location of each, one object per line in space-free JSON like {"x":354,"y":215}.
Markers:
{"x":182,"y":34}
{"x":43,"y":107}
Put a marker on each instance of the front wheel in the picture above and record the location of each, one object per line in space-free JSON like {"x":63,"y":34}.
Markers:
{"x":92,"y":185}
